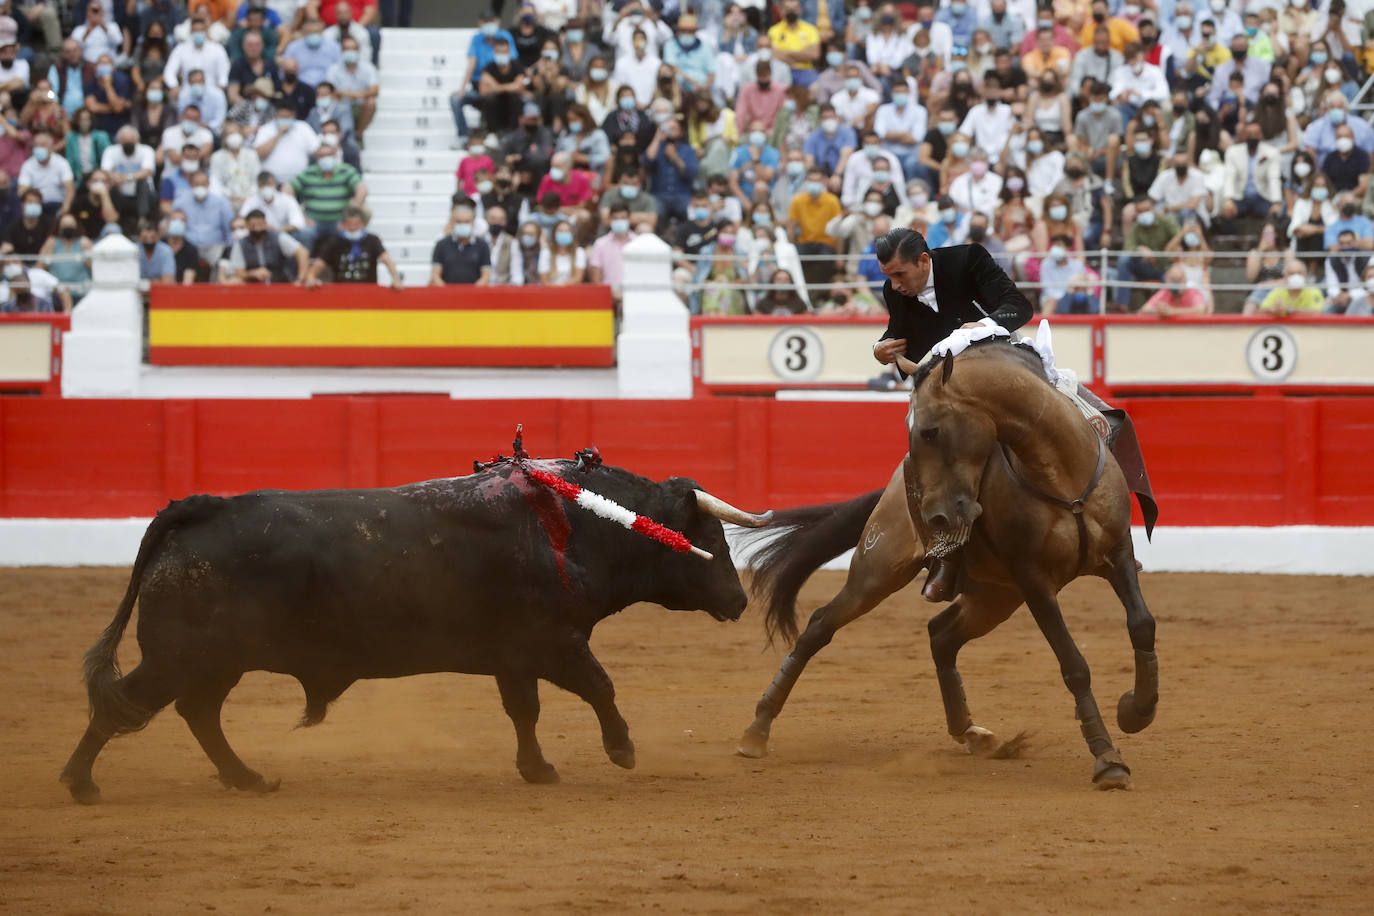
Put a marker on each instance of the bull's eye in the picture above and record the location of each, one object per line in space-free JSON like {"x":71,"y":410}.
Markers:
{"x":930,"y":433}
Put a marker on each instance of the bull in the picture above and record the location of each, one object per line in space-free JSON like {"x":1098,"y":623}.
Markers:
{"x":484,"y":574}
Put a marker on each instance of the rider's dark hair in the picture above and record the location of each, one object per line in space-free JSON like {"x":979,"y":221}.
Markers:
{"x":907,"y":244}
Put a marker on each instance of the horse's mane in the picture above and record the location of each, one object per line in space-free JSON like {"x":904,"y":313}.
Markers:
{"x":1019,"y":350}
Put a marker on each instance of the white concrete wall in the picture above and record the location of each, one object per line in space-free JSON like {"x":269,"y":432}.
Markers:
{"x":1299,"y":550}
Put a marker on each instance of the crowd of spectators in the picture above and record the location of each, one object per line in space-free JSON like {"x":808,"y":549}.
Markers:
{"x":222,"y":137}
{"x":745,"y":133}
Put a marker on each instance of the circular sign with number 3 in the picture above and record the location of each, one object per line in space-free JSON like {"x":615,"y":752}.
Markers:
{"x":1272,"y":353}
{"x":796,"y":354}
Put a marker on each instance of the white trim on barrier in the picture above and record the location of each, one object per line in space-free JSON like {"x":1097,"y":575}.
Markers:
{"x":1293,"y":550}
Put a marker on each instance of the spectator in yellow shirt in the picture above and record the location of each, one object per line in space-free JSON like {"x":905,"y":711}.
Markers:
{"x":1046,"y":56}
{"x":1209,"y":53}
{"x":1120,"y":31}
{"x":809,"y":212}
{"x":1298,"y":297}
{"x":796,"y":43}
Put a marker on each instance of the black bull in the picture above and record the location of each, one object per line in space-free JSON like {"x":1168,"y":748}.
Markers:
{"x":486,"y":574}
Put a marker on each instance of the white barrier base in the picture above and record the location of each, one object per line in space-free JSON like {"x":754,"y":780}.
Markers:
{"x":1296,"y":550}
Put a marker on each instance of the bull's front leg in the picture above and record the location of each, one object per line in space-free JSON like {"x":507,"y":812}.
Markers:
{"x":520,"y":696}
{"x":575,"y":669}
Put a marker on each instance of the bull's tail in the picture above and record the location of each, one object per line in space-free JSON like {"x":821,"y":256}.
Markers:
{"x":810,"y":536}
{"x":109,"y":705}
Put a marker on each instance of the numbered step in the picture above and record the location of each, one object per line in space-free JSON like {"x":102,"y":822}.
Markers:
{"x":418,"y":206}
{"x":413,"y":103}
{"x":411,"y":231}
{"x":428,"y":160}
{"x":409,"y":188}
{"x":440,"y":137}
{"x":416,"y":119}
{"x":413,"y":82}
{"x":450,"y":56}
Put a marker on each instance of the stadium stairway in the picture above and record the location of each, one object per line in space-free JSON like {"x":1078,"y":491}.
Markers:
{"x":408,"y":163}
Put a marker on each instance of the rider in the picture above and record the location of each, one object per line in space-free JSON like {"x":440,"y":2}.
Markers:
{"x":929,"y":295}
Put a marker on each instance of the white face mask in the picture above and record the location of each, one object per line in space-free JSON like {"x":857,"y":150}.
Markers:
{"x":233,"y":141}
{"x":873,"y":207}
{"x":200,"y":192}
{"x":268,"y":194}
{"x":1296,"y":281}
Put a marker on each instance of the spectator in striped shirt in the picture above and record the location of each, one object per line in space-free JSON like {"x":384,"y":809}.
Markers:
{"x":325,"y":189}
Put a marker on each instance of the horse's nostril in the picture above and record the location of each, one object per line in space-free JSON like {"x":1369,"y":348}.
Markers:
{"x":939,"y":520}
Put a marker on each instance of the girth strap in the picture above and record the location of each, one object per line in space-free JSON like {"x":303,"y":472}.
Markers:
{"x":1075,"y":506}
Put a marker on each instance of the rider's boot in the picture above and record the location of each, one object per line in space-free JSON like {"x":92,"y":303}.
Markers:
{"x":942,"y":584}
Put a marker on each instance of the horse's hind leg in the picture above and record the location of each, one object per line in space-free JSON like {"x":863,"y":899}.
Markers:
{"x":980,"y":609}
{"x":886,"y":559}
{"x":146,"y":689}
{"x":1136,"y":709}
{"x":1109,"y":770}
{"x":200,"y":706}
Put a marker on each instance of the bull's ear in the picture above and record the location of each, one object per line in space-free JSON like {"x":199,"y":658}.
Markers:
{"x":948,"y":369}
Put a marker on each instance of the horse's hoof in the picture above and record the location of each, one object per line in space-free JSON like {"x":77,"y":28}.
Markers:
{"x":84,"y":792}
{"x":979,"y":741}
{"x":1110,"y":771}
{"x":623,"y":755}
{"x":1129,"y":718}
{"x":542,"y":774}
{"x":250,"y":782}
{"x":753,"y":745}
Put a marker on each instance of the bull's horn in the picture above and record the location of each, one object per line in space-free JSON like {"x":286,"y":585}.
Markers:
{"x":906,"y":365}
{"x":722,"y":510}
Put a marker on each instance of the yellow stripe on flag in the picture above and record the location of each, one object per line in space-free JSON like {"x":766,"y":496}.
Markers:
{"x":378,"y":328}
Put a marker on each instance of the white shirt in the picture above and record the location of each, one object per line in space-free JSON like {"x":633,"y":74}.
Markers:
{"x":941,"y":38}
{"x":623,"y":37}
{"x":909,"y":120}
{"x":291,"y":155}
{"x":891,"y":50}
{"x":1169,"y":192}
{"x":639,"y":75}
{"x":175,"y":137}
{"x":852,"y":109}
{"x":976,"y":194}
{"x":283,"y":213}
{"x":560,"y":266}
{"x":116,"y":163}
{"x":49,"y":178}
{"x":95,"y":42}
{"x":927,"y":294}
{"x":858,"y":175}
{"x":1044,"y":173}
{"x":355,"y":31}
{"x":988,"y":128}
{"x":749,"y":70}
{"x":210,"y":59}
{"x":20,"y":71}
{"x":1148,"y":86}
{"x":41,"y":283}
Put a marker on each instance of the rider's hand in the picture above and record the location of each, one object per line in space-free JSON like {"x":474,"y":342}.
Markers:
{"x":888,"y":349}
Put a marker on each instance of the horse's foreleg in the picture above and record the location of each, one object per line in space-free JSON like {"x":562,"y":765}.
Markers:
{"x":1109,"y":770}
{"x":1136,"y":709}
{"x":975,"y":614}
{"x":886,"y":559}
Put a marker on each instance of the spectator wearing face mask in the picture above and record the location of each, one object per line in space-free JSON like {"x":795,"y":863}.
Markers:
{"x":572,"y":187}
{"x":673,"y":170}
{"x":638,"y":69}
{"x":352,"y":256}
{"x":763,"y":53}
{"x":313,"y":54}
{"x":507,"y":261}
{"x":109,"y":95}
{"x":130,"y":165}
{"x":254,"y":63}
{"x":282,"y":212}
{"x":185,"y":256}
{"x":48,"y":174}
{"x":1252,"y":185}
{"x":1358,"y":302}
{"x":871,"y":165}
{"x":631,"y":194}
{"x":854,"y":229}
{"x":1136,"y":83}
{"x":189,"y":131}
{"x":461,"y":257}
{"x":1097,"y":132}
{"x":1297,"y":296}
{"x":93,"y":208}
{"x":694,"y":61}
{"x":156,"y":261}
{"x":1254,"y":71}
{"x":830,"y":144}
{"x":791,"y":177}
{"x":177,"y":179}
{"x":760,"y":100}
{"x":1064,"y":279}
{"x":1006,"y":28}
{"x":951,"y":228}
{"x":200,"y":53}
{"x":1147,"y":239}
{"x":796,"y":43}
{"x":209,"y":100}
{"x":265,"y":255}
{"x":1347,"y":166}
{"x":1320,"y":137}
{"x":286,"y":145}
{"x":808,"y":215}
{"x":31,"y":290}
{"x":832,"y":77}
{"x":901,"y":124}
{"x":254,"y":109}
{"x":208,"y":218}
{"x":27,"y":234}
{"x":326,"y":190}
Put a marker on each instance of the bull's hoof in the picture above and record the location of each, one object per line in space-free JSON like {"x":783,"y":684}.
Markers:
{"x":249,"y":782}
{"x":1110,"y":771}
{"x":753,"y":744}
{"x":1129,"y":718}
{"x":84,"y":791}
{"x":541,"y":774}
{"x":622,"y":755}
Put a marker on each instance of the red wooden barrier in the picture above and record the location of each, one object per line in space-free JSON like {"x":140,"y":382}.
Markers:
{"x":1214,"y":461}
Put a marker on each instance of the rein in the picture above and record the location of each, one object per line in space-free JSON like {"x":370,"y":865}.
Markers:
{"x":1076,"y":506}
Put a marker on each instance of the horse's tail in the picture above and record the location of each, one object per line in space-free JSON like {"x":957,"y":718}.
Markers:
{"x":108,"y":702}
{"x":810,"y":536}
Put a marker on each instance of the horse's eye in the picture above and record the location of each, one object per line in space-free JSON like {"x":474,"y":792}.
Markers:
{"x":930,"y":433}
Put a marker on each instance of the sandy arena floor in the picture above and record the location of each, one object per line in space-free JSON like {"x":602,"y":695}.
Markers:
{"x":1252,"y":788}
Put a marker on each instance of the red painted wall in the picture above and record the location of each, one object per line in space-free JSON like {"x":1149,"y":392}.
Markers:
{"x":1214,"y":461}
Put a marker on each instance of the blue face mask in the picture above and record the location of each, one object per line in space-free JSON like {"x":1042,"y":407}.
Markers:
{"x":853,"y":83}
{"x":959,"y":148}
{"x":575,"y":127}
{"x":1059,"y":212}
{"x":350,"y":56}
{"x":701,"y":214}
{"x":1319,"y":57}
{"x":1320,"y":193}
{"x":353,"y":235}
{"x":104,"y":70}
{"x":1338,"y":116}
{"x":627,"y":103}
{"x":462,"y":230}
{"x":688,"y":42}
{"x":489,"y":28}
{"x":574,"y":36}
{"x":33,"y":211}
{"x":900,"y":99}
{"x":762,"y":219}
{"x":198,"y":39}
{"x":629,"y":192}
{"x":814,"y":188}
{"x":284,"y":124}
{"x":1191,"y":240}
{"x":155,"y":96}
{"x":314,"y":41}
{"x":796,"y":169}
{"x":949,"y":214}
{"x":501,"y":59}
{"x":946,"y":128}
{"x":882,"y":176}
{"x":620,"y":226}
{"x":176,"y":228}
{"x":1034,"y":147}
{"x":41,"y":153}
{"x":757,"y":138}
{"x":834,"y":58}
{"x":563,"y":237}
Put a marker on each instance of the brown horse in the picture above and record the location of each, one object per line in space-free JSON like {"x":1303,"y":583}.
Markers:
{"x":991,"y":443}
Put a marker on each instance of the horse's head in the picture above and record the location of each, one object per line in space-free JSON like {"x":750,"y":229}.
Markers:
{"x":950,"y":438}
